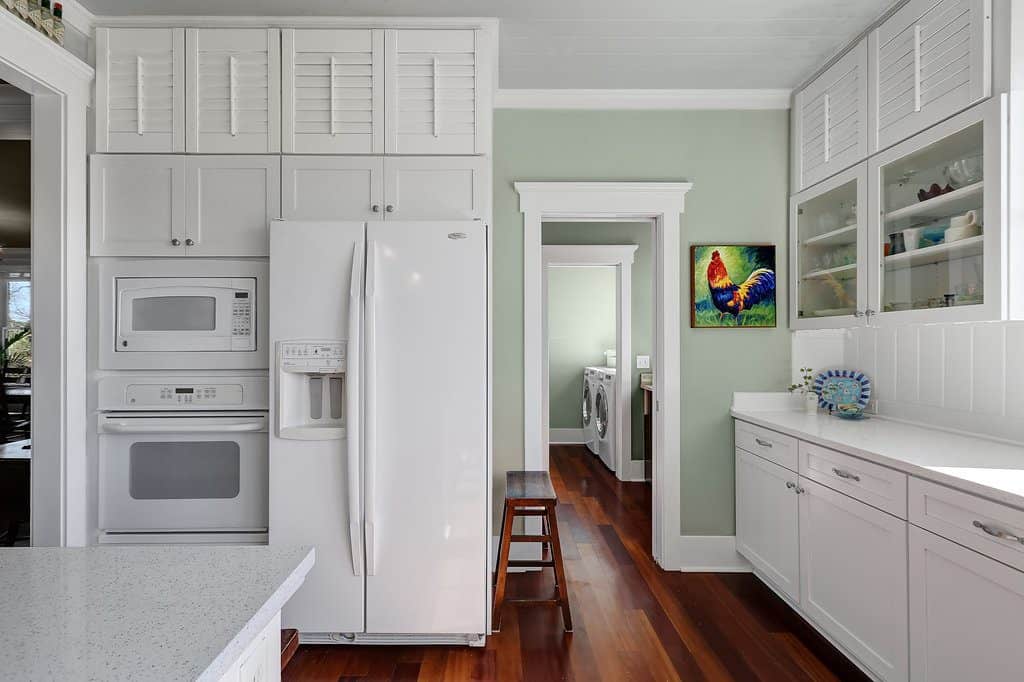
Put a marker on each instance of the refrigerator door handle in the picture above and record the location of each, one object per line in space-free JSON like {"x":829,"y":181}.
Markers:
{"x":370,"y":416}
{"x":352,"y":418}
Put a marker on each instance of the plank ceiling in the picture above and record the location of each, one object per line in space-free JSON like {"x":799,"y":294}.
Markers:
{"x":609,"y":43}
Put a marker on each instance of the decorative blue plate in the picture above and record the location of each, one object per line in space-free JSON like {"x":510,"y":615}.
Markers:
{"x":836,"y":387}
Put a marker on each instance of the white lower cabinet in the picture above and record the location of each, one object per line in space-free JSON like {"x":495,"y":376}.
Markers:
{"x":966,"y":613}
{"x":853,"y":577}
{"x":261,"y":659}
{"x":767,"y":529}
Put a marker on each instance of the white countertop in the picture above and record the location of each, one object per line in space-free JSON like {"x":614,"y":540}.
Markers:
{"x":138,"y":613}
{"x":974,"y":464}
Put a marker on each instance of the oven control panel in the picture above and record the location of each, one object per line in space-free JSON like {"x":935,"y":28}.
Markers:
{"x":312,"y":357}
{"x":187,"y":394}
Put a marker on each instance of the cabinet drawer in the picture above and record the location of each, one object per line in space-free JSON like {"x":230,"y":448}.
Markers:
{"x":868,"y":482}
{"x":773,"y":446}
{"x":991,"y":528}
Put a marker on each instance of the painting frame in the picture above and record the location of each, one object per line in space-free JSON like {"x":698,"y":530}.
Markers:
{"x":763,"y":255}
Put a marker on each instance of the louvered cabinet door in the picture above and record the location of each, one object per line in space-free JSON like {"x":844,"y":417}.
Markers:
{"x":435,"y":82}
{"x":931,"y":59}
{"x":332,"y":91}
{"x":233,"y":98}
{"x":140,"y":90}
{"x":833,"y":118}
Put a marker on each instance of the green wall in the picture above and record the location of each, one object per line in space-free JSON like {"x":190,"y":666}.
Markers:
{"x":642,"y":235}
{"x":738,"y":162}
{"x":581,"y":327}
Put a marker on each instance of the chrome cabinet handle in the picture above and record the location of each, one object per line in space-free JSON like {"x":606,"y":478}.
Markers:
{"x":790,"y":485}
{"x":997,"y":533}
{"x":175,"y":242}
{"x":800,"y":490}
{"x":389,"y":208}
{"x":763,"y":443}
{"x":375,"y":208}
{"x":845,"y":474}
{"x":189,"y":242}
{"x":858,"y":313}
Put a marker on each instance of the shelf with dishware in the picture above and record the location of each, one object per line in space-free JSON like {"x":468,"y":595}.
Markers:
{"x":929,"y":245}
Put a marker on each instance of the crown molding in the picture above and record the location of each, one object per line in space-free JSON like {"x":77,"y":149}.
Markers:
{"x":641,"y":99}
{"x":78,"y":16}
{"x":306,"y":21}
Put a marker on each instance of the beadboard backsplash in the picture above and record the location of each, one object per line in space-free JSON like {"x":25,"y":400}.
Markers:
{"x":968,"y":377}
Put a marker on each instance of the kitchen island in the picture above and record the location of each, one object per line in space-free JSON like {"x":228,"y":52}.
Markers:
{"x":145,"y":613}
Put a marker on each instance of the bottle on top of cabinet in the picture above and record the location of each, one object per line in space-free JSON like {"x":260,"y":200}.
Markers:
{"x":46,"y":19}
{"x":58,"y":23}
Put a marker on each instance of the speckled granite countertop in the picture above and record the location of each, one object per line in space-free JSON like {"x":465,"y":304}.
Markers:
{"x":138,"y":613}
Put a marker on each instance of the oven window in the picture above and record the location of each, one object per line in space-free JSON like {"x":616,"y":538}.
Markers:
{"x":174,"y":313}
{"x":190,"y":470}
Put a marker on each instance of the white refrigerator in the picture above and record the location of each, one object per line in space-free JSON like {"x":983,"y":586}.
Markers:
{"x":378,"y":455}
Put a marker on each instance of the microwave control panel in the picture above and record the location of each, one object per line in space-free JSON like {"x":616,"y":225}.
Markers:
{"x":241,"y":315}
{"x":170,"y":395}
{"x":312,"y":357}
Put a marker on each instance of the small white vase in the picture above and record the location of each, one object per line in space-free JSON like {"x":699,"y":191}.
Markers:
{"x":811,"y":404}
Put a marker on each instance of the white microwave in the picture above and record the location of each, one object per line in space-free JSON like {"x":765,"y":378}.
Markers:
{"x":182,"y":315}
{"x":185,"y":314}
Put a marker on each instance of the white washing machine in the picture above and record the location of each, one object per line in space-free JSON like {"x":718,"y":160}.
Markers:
{"x":604,"y":417}
{"x":590,"y":378}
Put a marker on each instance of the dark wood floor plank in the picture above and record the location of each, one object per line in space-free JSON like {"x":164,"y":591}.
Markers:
{"x":633,"y":621}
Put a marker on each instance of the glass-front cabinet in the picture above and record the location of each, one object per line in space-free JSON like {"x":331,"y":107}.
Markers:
{"x":914,"y":234}
{"x":827,"y":251}
{"x":938,"y":207}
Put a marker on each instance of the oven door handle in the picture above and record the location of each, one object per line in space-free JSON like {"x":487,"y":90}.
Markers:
{"x":155,"y":427}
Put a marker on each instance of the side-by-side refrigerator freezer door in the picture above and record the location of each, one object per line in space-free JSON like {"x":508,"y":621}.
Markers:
{"x":316,"y":292}
{"x":425,"y":428}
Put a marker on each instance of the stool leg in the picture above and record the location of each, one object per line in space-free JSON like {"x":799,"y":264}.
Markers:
{"x":501,"y":542}
{"x":563,"y":586}
{"x":499,"y":587}
{"x":544,"y":546}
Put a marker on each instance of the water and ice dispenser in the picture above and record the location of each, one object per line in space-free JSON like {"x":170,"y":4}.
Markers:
{"x":311,"y":389}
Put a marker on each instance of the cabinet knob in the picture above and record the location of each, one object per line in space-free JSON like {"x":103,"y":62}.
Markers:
{"x":189,"y":242}
{"x":389,"y":208}
{"x":175,"y":242}
{"x":375,"y":208}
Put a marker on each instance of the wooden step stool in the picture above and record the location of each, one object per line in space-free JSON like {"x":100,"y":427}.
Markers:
{"x":530,"y":493}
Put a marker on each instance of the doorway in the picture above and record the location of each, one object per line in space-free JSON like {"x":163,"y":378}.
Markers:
{"x":15,"y":317}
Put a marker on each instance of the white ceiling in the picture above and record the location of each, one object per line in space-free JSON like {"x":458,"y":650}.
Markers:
{"x":608,"y":43}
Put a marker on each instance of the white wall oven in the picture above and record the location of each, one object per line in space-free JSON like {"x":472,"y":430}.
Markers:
{"x":201,"y":314}
{"x":183,"y":459}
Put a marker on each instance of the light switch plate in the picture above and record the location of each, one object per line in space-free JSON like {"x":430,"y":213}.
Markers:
{"x":643,"y":362}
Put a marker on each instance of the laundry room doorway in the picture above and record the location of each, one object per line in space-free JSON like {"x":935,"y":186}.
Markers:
{"x":595,"y":277}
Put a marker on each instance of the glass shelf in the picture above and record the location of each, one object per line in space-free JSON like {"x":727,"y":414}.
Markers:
{"x":827,"y":236}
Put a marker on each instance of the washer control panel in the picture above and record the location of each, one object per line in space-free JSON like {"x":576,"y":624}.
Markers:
{"x":312,"y":357}
{"x":188,"y":394}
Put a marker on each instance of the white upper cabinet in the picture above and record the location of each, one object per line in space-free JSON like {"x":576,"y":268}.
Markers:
{"x":136,"y":205}
{"x":140,"y":90}
{"x":930,"y":59}
{"x":332,"y":187}
{"x":831,"y":116}
{"x":333,"y":91}
{"x":441,"y":188}
{"x":230,"y":201}
{"x":234,"y":90}
{"x":438,"y":85}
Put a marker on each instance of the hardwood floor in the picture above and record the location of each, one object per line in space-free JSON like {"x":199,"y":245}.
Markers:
{"x":633,"y":621}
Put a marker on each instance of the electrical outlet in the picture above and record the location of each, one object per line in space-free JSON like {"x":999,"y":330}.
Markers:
{"x":643,"y":362}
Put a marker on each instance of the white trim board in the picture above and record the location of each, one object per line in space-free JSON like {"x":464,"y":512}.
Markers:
{"x":303,"y":21}
{"x":566,"y":436}
{"x":642,"y":99}
{"x":705,"y":553}
{"x":662,"y":202}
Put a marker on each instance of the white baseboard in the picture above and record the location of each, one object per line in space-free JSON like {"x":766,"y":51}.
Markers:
{"x":705,"y":553}
{"x":633,"y":471}
{"x":566,"y":437}
{"x":519,"y":550}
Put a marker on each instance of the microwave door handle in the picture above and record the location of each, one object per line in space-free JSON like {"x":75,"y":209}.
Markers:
{"x":352,"y":415}
{"x":156,"y":427}
{"x":370,"y":416}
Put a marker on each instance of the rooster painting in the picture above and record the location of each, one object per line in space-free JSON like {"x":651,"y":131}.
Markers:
{"x":719,"y":300}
